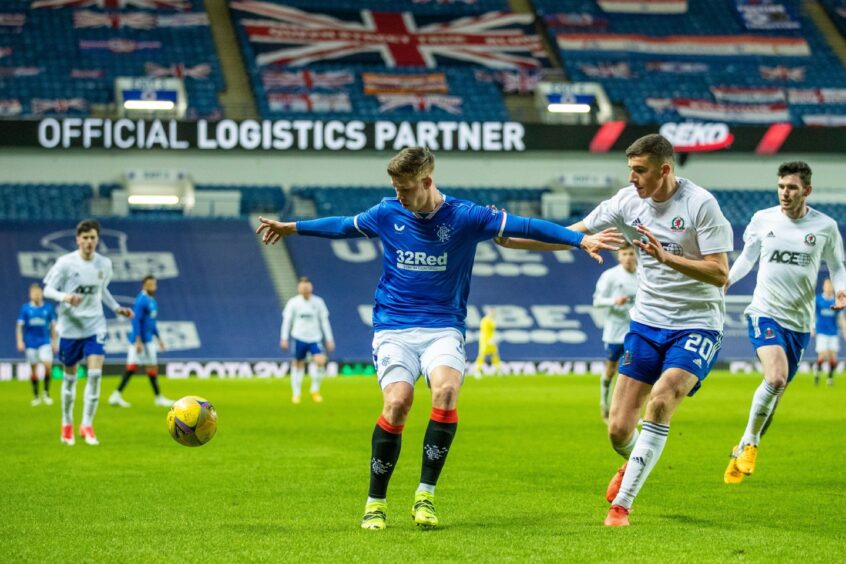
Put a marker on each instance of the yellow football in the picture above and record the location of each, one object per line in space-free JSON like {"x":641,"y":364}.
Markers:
{"x":192,"y":421}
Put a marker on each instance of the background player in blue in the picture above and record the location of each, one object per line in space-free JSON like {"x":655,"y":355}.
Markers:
{"x":36,"y":336}
{"x":429,"y":243}
{"x":142,"y":350}
{"x":828,"y":327}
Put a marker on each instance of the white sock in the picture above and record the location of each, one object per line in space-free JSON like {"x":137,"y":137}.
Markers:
{"x":763,"y":403}
{"x":68,"y":398}
{"x":626,"y":450}
{"x":91,"y":397}
{"x":426,"y":488}
{"x":372,"y":499}
{"x":317,"y":378}
{"x":296,"y":380}
{"x":604,"y":392}
{"x":645,"y":455}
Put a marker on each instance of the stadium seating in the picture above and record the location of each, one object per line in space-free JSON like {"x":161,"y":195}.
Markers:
{"x":28,"y":202}
{"x":632,"y":78}
{"x":254,"y":199}
{"x":51,"y":59}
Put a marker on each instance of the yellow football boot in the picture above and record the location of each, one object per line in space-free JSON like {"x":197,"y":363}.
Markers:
{"x":423,"y":510}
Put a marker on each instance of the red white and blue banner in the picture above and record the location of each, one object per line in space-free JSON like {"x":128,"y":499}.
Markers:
{"x":782,"y":73}
{"x":733,"y":113}
{"x":575,"y":20}
{"x":420,"y":102}
{"x":18,"y":72}
{"x":699,"y":45}
{"x":10,"y":107}
{"x":41,"y":106}
{"x":620,"y":69}
{"x":824,"y":120}
{"x":744,"y":95}
{"x":816,"y":96}
{"x":758,"y":15}
{"x":12,"y":20}
{"x":290,"y":36}
{"x":677,"y":67}
{"x":643,"y":6}
{"x":392,"y":83}
{"x":115,"y":4}
{"x":178,"y":70}
{"x":136,"y":20}
{"x":306,"y":78}
{"x":119,"y":46}
{"x":309,"y":102}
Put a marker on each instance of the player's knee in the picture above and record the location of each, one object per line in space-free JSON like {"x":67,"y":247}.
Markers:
{"x":445,"y":393}
{"x":777,"y":378}
{"x":660,"y":406}
{"x":618,"y":432}
{"x":396,"y":408}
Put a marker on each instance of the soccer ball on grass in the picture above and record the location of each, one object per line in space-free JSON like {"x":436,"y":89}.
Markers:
{"x":192,"y":421}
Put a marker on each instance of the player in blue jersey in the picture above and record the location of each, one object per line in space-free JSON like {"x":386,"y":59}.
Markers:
{"x":142,"y":350}
{"x":828,"y":327}
{"x":429,"y":243}
{"x":36,"y":336}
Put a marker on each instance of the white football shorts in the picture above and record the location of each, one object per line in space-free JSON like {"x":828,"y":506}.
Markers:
{"x":403,"y":355}
{"x":44,"y":353}
{"x":825,"y":343}
{"x":147,"y":357}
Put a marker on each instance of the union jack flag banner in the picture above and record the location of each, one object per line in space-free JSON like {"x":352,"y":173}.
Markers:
{"x":19,"y":71}
{"x":782,"y":72}
{"x":306,"y":78}
{"x":115,"y":4}
{"x":178,"y":70}
{"x":10,"y":107}
{"x":58,"y":106}
{"x":309,"y":103}
{"x":620,"y":69}
{"x":383,"y":83}
{"x":136,"y":20}
{"x":495,"y":39}
{"x":118,"y":45}
{"x":420,"y":102}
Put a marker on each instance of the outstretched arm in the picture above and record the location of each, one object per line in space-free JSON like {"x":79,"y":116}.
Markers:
{"x":532,"y":245}
{"x":744,"y":263}
{"x":328,"y":227}
{"x":548,"y":232}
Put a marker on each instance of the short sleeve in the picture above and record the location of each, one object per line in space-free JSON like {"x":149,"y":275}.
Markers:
{"x":51,"y":313}
{"x":606,"y":214}
{"x":22,"y":315}
{"x":367,"y":222}
{"x":713,"y":231}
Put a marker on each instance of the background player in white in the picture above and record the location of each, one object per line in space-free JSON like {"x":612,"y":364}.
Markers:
{"x":679,"y":311}
{"x":615,"y":293}
{"x":142,"y":349}
{"x":36,"y":337}
{"x":79,"y":282}
{"x":419,"y":317}
{"x":305,"y":319}
{"x":829,"y":325}
{"x":788,"y":242}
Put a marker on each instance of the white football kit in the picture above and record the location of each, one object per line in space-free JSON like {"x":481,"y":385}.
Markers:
{"x":613,"y":283}
{"x":306,"y":320}
{"x":788,"y":253}
{"x":689,"y":224}
{"x":71,"y":274}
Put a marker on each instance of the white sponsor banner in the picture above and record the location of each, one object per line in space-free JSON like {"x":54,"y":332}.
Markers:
{"x":747,"y":95}
{"x":644,"y":6}
{"x":700,"y":45}
{"x":825,"y":120}
{"x":705,"y":110}
{"x":696,"y":137}
{"x":766,"y":16}
{"x":816,"y":96}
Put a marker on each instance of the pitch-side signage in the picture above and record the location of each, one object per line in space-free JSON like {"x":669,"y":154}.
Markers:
{"x":694,"y":137}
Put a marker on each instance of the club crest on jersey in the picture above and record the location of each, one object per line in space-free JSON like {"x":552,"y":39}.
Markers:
{"x":810,"y":239}
{"x":443,"y":233}
{"x":677,"y":225}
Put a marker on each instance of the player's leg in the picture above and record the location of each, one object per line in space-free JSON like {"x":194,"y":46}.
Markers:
{"x":149,"y":358}
{"x":298,"y":370}
{"x":834,"y":347}
{"x":495,"y":360}
{"x":70,"y":353}
{"x":45,"y":355}
{"x":319,"y":373}
{"x":613,"y":352}
{"x":132,"y":361}
{"x":444,"y":362}
{"x":33,"y":379}
{"x":95,"y":352}
{"x":479,"y":364}
{"x":397,"y":368}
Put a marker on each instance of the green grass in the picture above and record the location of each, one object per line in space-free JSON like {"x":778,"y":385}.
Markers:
{"x":525,"y":479}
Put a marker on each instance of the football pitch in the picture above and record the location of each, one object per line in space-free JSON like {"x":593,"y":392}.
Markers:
{"x":525,"y":479}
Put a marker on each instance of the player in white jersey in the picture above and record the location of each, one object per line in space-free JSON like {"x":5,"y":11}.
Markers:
{"x":79,"y":282}
{"x":615,"y":292}
{"x":677,"y":319}
{"x":305,"y":319}
{"x":787,"y":242}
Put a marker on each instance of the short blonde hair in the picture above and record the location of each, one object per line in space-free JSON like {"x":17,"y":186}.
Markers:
{"x":412,"y":163}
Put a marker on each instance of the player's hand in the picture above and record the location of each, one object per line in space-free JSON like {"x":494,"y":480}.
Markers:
{"x":162,"y":346}
{"x":139,"y":347}
{"x":125,"y":312}
{"x":55,"y":348}
{"x":330,"y":346}
{"x":272,"y":231}
{"x":73,"y":299}
{"x":283,"y":344}
{"x":21,"y":347}
{"x":607,"y":240}
{"x":651,"y":245}
{"x":621,"y":300}
{"x":839,"y":301}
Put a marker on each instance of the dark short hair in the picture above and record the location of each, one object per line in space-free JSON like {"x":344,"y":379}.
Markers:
{"x":800,"y":168}
{"x":88,"y":225}
{"x":35,"y":285}
{"x":303,"y":279}
{"x":655,"y":146}
{"x":148,"y":277}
